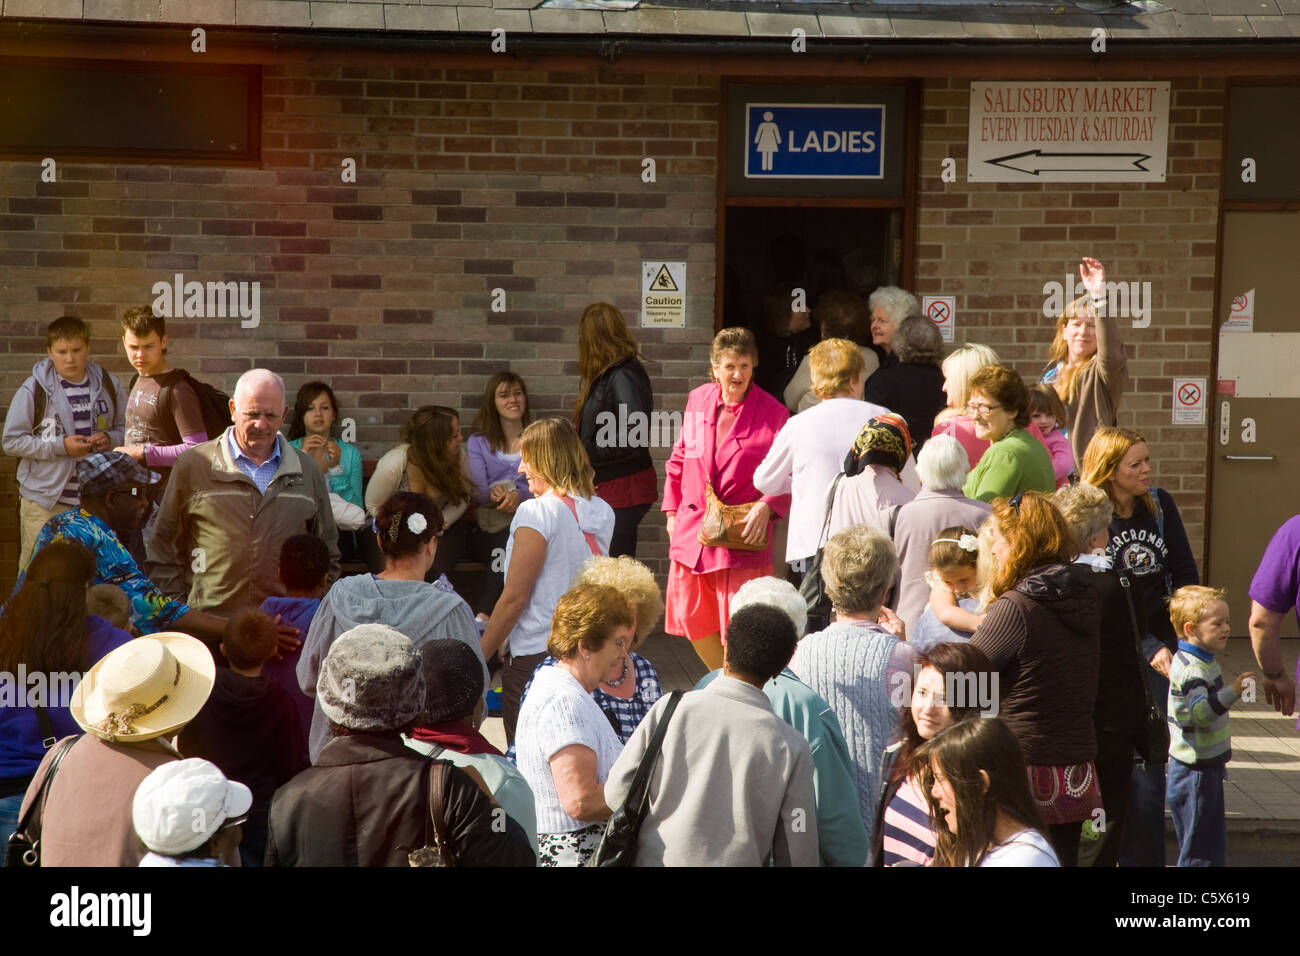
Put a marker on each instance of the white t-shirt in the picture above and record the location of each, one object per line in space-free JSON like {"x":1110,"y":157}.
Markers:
{"x":804,"y":459}
{"x":1026,"y":848}
{"x":566,"y":551}
{"x":557,"y":713}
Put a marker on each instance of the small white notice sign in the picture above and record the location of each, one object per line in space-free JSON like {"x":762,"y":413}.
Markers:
{"x":663,"y":295}
{"x":1241,"y":313}
{"x":942,"y":311}
{"x":1189,"y":401}
{"x":1068,"y":131}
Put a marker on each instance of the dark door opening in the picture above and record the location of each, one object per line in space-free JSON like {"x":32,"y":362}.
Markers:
{"x":796,"y":255}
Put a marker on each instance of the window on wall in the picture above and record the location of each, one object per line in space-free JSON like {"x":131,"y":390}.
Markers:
{"x":90,"y":109}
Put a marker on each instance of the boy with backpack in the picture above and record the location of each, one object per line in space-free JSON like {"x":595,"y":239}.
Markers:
{"x":167,"y":411}
{"x":69,"y":408}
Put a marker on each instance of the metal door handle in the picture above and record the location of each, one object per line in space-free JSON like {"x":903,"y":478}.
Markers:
{"x":1249,"y":457}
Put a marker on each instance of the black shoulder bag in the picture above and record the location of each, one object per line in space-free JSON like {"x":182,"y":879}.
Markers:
{"x":24,"y":846}
{"x":1153,"y":737}
{"x":619,"y":844}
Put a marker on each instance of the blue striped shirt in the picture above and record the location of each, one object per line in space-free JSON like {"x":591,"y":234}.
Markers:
{"x":261,"y":474}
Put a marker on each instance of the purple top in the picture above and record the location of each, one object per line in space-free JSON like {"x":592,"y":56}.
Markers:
{"x":488,"y":467}
{"x":21,"y":750}
{"x":1276,"y":584}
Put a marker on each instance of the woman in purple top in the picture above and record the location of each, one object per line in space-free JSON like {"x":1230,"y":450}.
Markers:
{"x":47,"y":641}
{"x":493,"y":452}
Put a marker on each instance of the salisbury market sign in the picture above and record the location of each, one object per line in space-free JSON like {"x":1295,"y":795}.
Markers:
{"x":1068,"y":132}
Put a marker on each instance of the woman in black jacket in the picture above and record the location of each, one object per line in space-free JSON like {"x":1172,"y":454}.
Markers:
{"x":613,"y":418}
{"x":1119,"y":714}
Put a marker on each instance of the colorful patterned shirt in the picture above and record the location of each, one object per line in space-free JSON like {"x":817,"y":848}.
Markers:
{"x":151,"y":610}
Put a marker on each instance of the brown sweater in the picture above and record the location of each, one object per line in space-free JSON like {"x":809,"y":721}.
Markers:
{"x":1099,"y":389}
{"x":1042,"y":637}
{"x":87,"y":818}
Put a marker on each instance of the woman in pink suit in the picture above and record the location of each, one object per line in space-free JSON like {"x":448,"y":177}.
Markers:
{"x":726,"y":433}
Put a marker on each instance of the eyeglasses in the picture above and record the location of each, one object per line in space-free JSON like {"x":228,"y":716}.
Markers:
{"x":980,"y":408}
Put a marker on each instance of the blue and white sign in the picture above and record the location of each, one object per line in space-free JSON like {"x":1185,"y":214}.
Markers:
{"x":814,"y":141}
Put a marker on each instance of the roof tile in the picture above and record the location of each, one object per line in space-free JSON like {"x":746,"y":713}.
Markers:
{"x":846,"y":26}
{"x":55,"y":9}
{"x":348,"y":15}
{"x":782,"y":24}
{"x":132,"y":10}
{"x":272,"y":13}
{"x":483,"y":20}
{"x":203,"y":12}
{"x":424,"y":18}
{"x":567,"y":21}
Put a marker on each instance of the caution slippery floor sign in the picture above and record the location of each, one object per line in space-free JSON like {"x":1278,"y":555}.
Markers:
{"x":663,"y":295}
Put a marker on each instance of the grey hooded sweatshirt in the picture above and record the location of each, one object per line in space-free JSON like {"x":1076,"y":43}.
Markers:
{"x":422,"y":612}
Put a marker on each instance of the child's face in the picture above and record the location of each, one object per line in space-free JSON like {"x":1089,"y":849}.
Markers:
{"x":1211,"y":632}
{"x":70,"y":357}
{"x":958,"y":580}
{"x":319,"y":416}
{"x":1045,"y":421}
{"x":145,"y":353}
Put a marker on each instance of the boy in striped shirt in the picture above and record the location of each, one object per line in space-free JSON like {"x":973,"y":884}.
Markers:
{"x":69,"y":408}
{"x":1200,"y":739}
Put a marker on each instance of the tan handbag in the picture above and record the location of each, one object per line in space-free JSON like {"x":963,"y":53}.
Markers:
{"x":723,"y":524}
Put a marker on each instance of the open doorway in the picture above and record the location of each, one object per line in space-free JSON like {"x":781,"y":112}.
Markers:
{"x":776,"y":252}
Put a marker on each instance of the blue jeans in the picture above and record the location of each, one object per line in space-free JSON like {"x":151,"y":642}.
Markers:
{"x":1200,"y":819}
{"x":9,"y":807}
{"x":1143,"y":842}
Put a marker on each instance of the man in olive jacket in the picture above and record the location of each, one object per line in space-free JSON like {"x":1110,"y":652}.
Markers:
{"x":366,"y":800}
{"x":232,"y":502}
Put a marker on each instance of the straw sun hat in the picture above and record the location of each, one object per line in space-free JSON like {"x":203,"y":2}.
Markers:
{"x":145,"y":688}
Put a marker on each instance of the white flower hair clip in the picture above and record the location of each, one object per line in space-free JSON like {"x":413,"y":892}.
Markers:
{"x":416,"y":522}
{"x":967,"y":542}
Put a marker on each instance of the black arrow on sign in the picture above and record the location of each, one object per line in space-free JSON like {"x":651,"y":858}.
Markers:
{"x":1035,"y":161}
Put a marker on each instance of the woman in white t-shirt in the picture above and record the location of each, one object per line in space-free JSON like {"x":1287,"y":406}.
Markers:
{"x":551,"y":536}
{"x":979,"y":796}
{"x":567,"y":745}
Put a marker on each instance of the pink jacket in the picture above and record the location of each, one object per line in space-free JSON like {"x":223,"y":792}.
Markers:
{"x":731,"y":468}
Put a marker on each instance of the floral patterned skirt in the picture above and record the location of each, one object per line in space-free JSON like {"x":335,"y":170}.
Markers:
{"x":569,"y":849}
{"x":1065,"y":794}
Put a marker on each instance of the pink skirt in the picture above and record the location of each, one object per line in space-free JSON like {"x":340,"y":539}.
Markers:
{"x":697,"y":605}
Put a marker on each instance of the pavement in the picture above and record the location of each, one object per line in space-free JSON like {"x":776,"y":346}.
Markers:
{"x":1263,"y":787}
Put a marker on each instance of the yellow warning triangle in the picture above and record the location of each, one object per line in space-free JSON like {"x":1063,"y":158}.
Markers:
{"x":663,"y":281}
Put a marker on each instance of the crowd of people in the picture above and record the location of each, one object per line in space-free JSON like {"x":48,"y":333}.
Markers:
{"x":984,"y":613}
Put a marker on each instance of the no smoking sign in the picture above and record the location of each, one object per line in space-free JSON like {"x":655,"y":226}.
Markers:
{"x":1189,"y":401}
{"x":942,"y":311}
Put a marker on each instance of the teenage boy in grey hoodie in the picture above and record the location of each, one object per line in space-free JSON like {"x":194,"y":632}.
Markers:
{"x":67,"y":409}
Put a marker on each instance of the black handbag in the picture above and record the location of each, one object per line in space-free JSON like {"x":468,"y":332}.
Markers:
{"x":24,"y":846}
{"x":618,"y":845}
{"x":812,"y":588}
{"x":1152,"y":741}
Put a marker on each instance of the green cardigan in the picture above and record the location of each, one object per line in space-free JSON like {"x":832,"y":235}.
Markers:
{"x":1014,"y":463}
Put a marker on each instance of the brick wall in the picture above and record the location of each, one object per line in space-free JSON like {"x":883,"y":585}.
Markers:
{"x":993,"y":245}
{"x":467,"y":181}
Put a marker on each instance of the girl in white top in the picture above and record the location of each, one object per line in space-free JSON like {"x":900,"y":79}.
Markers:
{"x":551,"y":536}
{"x":566,"y":744}
{"x":978,"y":791}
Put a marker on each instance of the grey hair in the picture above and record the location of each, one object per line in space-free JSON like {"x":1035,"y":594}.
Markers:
{"x":1087,"y":511}
{"x":777,"y":593}
{"x":858,"y":566}
{"x":942,"y":464}
{"x":258,"y":376}
{"x":919,"y":341}
{"x":897,"y":303}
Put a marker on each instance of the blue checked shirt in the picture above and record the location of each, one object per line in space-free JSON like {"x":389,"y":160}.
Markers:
{"x":151,"y":610}
{"x":261,"y":474}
